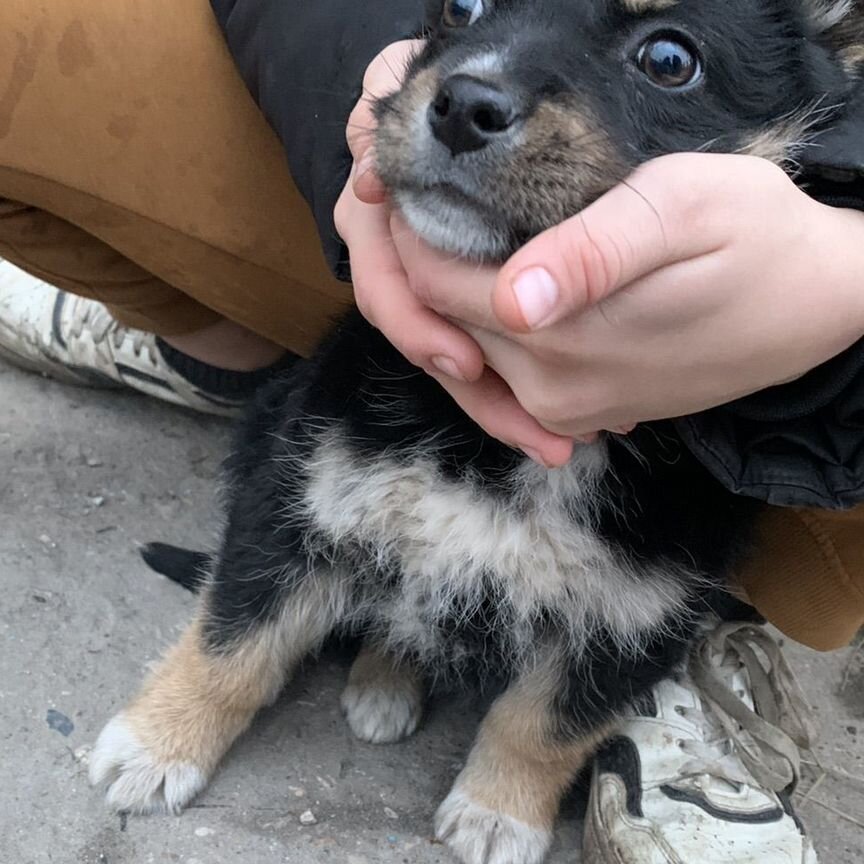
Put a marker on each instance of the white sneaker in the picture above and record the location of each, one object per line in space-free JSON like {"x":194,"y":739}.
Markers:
{"x":704,"y":774}
{"x":76,"y":340}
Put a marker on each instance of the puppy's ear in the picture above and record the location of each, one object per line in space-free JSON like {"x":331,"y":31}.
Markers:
{"x":840,"y":25}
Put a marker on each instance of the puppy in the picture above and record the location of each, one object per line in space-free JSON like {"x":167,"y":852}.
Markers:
{"x":362,"y":500}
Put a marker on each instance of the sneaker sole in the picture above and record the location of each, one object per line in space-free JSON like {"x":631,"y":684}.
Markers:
{"x":595,"y":848}
{"x":591,"y":851}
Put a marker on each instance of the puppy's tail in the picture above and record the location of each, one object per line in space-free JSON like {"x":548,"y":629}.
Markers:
{"x":183,"y":566}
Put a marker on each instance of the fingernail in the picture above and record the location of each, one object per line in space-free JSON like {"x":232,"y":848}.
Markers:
{"x":537,"y":295}
{"x":447,"y":366}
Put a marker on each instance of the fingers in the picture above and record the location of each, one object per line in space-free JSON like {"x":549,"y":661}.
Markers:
{"x":367,"y":184}
{"x":361,"y":139}
{"x":429,"y":341}
{"x":492,"y":405}
{"x":449,"y":285}
{"x":383,"y":296}
{"x":383,"y":76}
{"x":566,"y":398}
{"x":633,"y":230}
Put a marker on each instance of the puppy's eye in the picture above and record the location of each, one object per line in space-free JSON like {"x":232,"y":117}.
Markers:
{"x":461,"y":13}
{"x":670,"y":61}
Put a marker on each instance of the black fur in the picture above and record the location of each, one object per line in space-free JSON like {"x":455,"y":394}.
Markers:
{"x":762,"y":60}
{"x":663,"y":506}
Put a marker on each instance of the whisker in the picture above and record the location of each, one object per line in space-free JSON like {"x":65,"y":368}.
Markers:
{"x":653,"y":209}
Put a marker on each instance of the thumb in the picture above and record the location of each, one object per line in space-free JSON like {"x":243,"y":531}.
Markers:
{"x":638,"y":227}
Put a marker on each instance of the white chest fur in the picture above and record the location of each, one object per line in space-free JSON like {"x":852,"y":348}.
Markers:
{"x":454,"y":543}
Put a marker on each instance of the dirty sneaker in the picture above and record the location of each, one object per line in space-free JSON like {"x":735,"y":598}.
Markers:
{"x":704,"y":773}
{"x":76,"y":340}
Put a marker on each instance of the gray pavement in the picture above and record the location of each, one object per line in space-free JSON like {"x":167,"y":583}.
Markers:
{"x":85,"y":477}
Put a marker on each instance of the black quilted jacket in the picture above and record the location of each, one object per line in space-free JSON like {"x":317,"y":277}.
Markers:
{"x":799,"y":444}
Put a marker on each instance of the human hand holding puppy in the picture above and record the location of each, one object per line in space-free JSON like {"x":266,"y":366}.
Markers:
{"x":702,"y":279}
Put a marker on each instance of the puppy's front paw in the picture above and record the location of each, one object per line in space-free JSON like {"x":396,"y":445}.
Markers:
{"x":137,"y":780}
{"x":384,"y":711}
{"x":478,"y":835}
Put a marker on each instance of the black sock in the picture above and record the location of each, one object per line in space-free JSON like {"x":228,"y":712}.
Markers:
{"x":224,"y":383}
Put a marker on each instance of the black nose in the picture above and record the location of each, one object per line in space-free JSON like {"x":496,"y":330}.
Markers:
{"x":468,"y":113}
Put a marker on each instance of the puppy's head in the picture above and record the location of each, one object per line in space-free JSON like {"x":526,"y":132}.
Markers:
{"x":519,"y":113}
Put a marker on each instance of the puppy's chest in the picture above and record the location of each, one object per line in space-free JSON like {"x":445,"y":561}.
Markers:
{"x":431,"y":553}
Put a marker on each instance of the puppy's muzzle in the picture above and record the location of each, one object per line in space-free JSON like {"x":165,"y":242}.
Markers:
{"x":469,"y":113}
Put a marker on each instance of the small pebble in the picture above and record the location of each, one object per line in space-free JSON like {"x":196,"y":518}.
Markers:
{"x":308,"y":818}
{"x":94,"y":462}
{"x":82,"y":755}
{"x":390,"y":813}
{"x":97,"y":500}
{"x":59,"y":722}
{"x":204,"y":832}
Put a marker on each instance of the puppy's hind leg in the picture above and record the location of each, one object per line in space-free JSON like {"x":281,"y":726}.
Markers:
{"x":503,"y":805}
{"x":159,"y":752}
{"x":383,"y":701}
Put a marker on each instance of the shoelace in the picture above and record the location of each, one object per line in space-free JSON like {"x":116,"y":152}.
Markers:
{"x":745,"y":746}
{"x":96,"y":318}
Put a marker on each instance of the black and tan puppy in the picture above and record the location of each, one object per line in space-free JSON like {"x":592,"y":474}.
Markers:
{"x":361,"y":499}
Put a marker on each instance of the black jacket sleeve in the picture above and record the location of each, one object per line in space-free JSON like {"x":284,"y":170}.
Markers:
{"x":303,"y":61}
{"x":801,"y":444}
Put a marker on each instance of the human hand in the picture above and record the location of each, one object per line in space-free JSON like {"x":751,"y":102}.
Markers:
{"x":685,"y":288}
{"x":703,"y":279}
{"x":381,"y":286}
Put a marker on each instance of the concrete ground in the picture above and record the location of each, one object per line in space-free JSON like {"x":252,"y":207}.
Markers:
{"x":86,"y":477}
